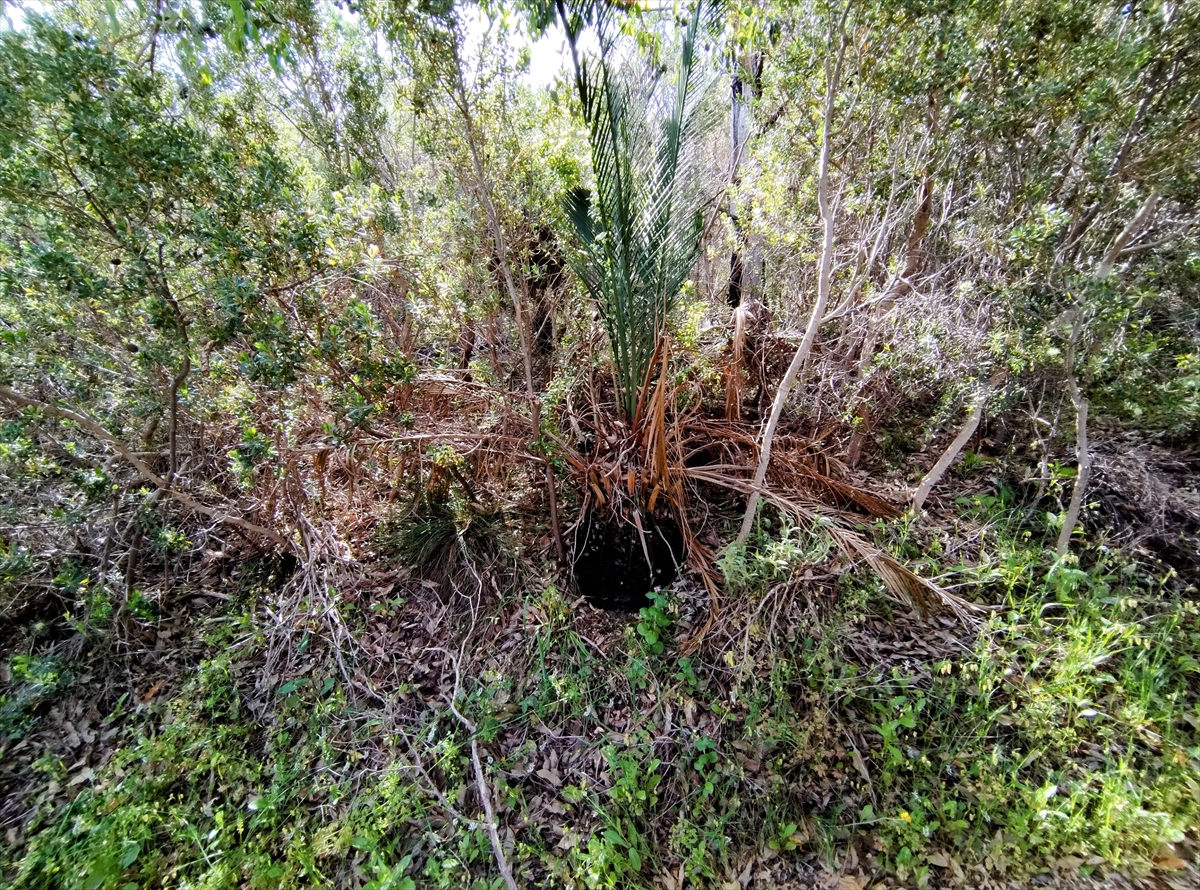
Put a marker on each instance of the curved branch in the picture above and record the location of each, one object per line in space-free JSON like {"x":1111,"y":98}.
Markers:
{"x":939,"y":469}
{"x":833,"y":69}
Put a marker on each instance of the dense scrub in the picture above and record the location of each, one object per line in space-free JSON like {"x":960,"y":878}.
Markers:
{"x":348,"y":365}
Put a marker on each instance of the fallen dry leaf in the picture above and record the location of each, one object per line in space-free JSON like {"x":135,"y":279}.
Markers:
{"x":1169,"y":863}
{"x":153,"y":691}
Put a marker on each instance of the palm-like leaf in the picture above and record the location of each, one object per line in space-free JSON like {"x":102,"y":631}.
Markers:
{"x":639,"y":234}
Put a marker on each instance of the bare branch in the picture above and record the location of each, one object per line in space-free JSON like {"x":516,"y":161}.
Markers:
{"x":1085,"y":466}
{"x":1136,"y":225}
{"x":833,"y":70}
{"x":939,"y":469}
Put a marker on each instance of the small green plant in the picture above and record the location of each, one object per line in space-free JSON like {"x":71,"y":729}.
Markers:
{"x":704,"y":763}
{"x":429,"y":541}
{"x":768,"y":558}
{"x":654,"y":621}
{"x":686,"y":675}
{"x":142,"y":607}
{"x":613,"y":857}
{"x":34,"y":679}
{"x":170,"y":540}
{"x":898,"y":714}
{"x":94,"y":483}
{"x":787,"y":837}
{"x":389,"y":607}
{"x":694,"y":844}
{"x":254,"y":449}
{"x":635,"y":783}
{"x":390,"y":877}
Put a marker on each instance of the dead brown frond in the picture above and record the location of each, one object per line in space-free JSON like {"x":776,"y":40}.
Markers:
{"x":664,"y":460}
{"x":797,"y":464}
{"x":925,"y":596}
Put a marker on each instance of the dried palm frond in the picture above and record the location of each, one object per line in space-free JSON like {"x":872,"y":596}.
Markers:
{"x":796,"y":470}
{"x":925,"y":596}
{"x":645,"y":467}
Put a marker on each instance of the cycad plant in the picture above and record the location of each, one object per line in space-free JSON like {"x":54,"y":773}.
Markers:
{"x":640,"y":230}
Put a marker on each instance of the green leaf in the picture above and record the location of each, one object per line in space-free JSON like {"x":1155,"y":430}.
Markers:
{"x":292,"y":685}
{"x":110,"y":10}
{"x":99,"y":874}
{"x":130,"y":853}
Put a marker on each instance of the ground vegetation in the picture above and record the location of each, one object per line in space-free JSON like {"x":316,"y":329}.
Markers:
{"x":756,"y":450}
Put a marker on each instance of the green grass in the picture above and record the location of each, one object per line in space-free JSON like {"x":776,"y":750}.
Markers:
{"x":1069,"y":731}
{"x":1066,"y":735}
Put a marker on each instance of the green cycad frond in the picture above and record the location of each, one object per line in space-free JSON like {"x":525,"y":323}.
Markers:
{"x":639,"y":234}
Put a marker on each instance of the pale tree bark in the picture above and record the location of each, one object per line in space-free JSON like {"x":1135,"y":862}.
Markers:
{"x":491,"y":824}
{"x":1083,"y":455}
{"x":900,"y":282}
{"x":833,"y":69}
{"x":1136,"y":225}
{"x":934,"y":476}
{"x":1085,"y":466}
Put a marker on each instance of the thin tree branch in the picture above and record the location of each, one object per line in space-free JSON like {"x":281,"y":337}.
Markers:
{"x":491,"y":823}
{"x":939,"y":469}
{"x":1085,"y":465}
{"x":1127,"y":234}
{"x":833,"y":70}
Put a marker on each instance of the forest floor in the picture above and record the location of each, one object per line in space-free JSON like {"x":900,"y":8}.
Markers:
{"x":259,"y":722}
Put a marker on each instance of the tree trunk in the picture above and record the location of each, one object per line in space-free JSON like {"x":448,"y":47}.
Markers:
{"x":1103,"y":270}
{"x":484,"y":195}
{"x":744,"y":265}
{"x":939,"y":469}
{"x":1085,"y":466}
{"x":1105,"y":266}
{"x":825,"y":202}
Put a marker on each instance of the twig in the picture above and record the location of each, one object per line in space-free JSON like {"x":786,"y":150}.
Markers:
{"x":481,"y":786}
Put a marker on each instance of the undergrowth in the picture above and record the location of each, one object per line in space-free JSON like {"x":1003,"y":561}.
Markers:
{"x":1067,"y":737}
{"x":1063,"y":735}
